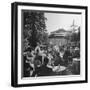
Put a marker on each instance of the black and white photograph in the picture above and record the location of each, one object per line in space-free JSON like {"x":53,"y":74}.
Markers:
{"x":51,"y":44}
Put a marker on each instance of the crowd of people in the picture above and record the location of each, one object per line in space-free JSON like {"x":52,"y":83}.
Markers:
{"x":41,"y":60}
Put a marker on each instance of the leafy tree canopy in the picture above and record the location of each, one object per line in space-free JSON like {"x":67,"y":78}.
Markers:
{"x":34,"y":27}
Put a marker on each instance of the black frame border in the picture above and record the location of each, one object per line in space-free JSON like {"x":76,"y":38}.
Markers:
{"x":14,"y":43}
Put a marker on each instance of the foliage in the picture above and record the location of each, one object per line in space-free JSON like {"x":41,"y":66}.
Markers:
{"x":34,"y":27}
{"x":76,"y":36}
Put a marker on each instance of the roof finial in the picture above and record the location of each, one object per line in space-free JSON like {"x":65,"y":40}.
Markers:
{"x":73,"y":24}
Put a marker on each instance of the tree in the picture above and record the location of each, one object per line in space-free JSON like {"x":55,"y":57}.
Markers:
{"x":34,"y":27}
{"x":76,"y":36}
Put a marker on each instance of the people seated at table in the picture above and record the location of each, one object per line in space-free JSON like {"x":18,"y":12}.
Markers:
{"x":40,"y":61}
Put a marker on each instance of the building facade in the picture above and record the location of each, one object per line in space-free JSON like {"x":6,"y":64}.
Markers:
{"x":58,"y":37}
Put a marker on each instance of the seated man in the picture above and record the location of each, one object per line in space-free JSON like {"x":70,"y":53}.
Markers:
{"x":67,"y":56}
{"x":43,"y":70}
{"x":59,"y":60}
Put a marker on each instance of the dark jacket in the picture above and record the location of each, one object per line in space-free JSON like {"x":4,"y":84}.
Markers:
{"x":42,"y":71}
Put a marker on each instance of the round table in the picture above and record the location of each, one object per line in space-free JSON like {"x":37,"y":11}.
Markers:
{"x":76,"y":59}
{"x":58,"y":68}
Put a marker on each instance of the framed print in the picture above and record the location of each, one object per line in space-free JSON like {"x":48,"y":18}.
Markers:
{"x":49,"y":44}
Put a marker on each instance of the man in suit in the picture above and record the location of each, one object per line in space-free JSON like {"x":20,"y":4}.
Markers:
{"x":68,"y":56}
{"x":43,"y":70}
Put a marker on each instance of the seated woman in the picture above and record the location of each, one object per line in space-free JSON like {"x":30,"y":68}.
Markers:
{"x":37,"y":64}
{"x":26,"y":67}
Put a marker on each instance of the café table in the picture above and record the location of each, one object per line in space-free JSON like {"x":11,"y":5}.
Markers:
{"x":58,"y":70}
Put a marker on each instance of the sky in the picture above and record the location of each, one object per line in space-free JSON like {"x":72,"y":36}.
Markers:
{"x":59,"y":20}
